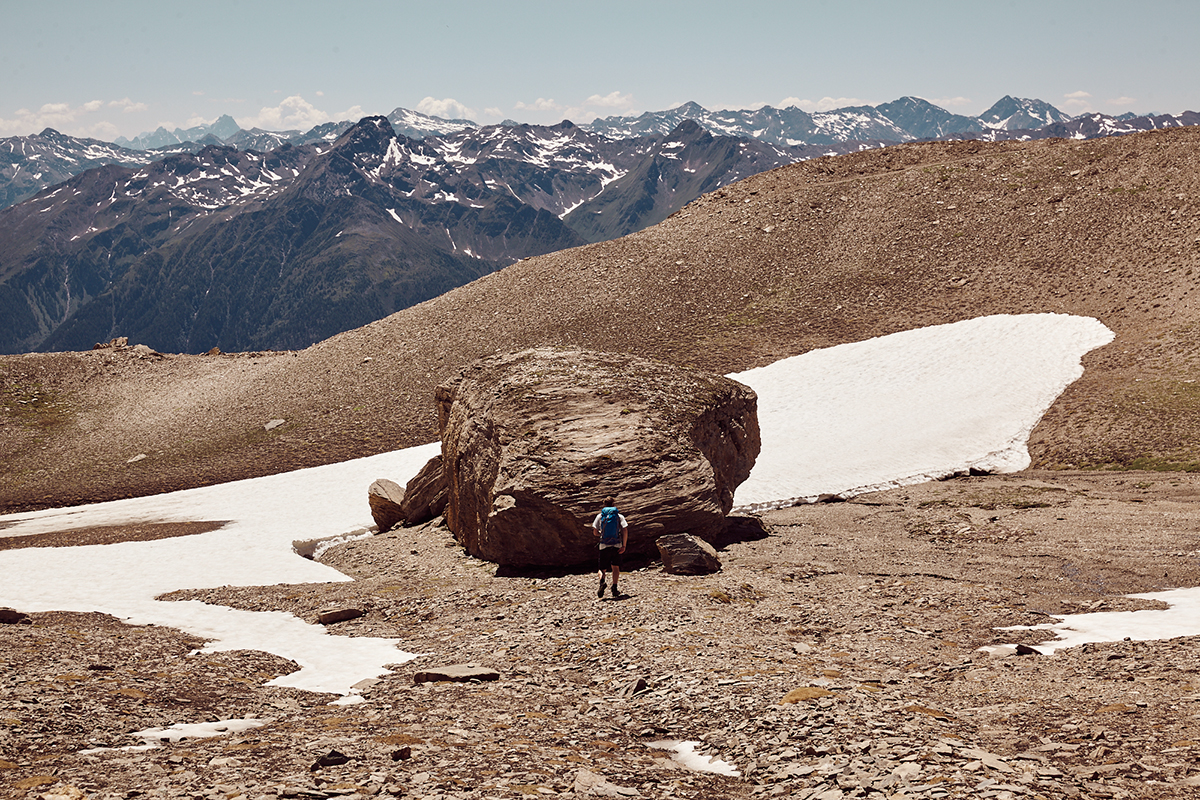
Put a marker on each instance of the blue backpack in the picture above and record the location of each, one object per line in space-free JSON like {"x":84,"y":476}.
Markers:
{"x":610,"y":525}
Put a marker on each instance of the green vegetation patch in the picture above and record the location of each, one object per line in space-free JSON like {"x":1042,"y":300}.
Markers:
{"x":1021,"y":497}
{"x":1016,"y":497}
{"x":1160,"y":464}
{"x":743,"y":320}
{"x":32,"y":404}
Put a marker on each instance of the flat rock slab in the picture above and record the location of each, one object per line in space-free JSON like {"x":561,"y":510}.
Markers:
{"x":460,"y":673}
{"x":328,"y":616}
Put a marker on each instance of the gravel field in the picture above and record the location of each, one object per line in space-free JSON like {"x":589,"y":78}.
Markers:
{"x":836,"y":652}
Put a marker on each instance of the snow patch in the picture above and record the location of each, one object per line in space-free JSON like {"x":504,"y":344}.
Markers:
{"x":910,"y":407}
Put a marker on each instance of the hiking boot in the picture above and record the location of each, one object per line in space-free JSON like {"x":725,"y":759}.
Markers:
{"x":615,"y":591}
{"x":600,"y":591}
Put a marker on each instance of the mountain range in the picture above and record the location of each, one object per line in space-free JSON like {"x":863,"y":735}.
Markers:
{"x":275,"y":240}
{"x":247,"y":251}
{"x":903,"y":120}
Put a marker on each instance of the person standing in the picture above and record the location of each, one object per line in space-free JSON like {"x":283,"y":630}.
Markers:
{"x":613,"y":532}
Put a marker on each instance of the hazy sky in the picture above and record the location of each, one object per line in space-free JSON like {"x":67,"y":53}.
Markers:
{"x":123,"y":67}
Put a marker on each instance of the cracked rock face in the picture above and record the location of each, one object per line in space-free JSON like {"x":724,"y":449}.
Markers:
{"x":533,"y":442}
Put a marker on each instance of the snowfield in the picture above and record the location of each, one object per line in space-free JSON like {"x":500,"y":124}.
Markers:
{"x":842,"y":421}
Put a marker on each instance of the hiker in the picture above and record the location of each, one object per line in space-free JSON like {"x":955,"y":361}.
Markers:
{"x":613,"y":532}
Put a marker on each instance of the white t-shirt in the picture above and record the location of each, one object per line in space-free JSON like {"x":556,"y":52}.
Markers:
{"x":596,"y":526}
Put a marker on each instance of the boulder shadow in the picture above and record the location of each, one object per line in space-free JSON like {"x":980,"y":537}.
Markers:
{"x":738,"y":530}
{"x":632,"y":561}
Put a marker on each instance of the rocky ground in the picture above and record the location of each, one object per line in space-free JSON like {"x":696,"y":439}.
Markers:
{"x":835,"y":655}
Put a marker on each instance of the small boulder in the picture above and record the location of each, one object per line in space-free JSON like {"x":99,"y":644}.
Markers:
{"x":386,"y":499}
{"x":459,"y":673}
{"x":328,"y":616}
{"x":333,"y":758}
{"x":684,"y":554}
{"x":10,"y":616}
{"x":425,"y":495}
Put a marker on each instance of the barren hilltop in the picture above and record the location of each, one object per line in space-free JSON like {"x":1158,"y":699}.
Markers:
{"x":834,"y":657}
{"x":810,"y":255}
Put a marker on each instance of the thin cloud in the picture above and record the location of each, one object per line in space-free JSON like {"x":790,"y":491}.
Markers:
{"x":449,"y":108}
{"x":611,"y":104}
{"x":128,"y":106}
{"x":1078,"y":101}
{"x":611,"y":100}
{"x":541,"y":104}
{"x":824,"y":104}
{"x":294,"y":113}
{"x":1121,"y":101}
{"x":63,"y":117}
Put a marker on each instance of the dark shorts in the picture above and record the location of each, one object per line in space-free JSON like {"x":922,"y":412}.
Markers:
{"x":610,"y":557}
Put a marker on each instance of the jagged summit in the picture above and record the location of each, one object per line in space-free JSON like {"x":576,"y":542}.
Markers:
{"x":1013,"y":113}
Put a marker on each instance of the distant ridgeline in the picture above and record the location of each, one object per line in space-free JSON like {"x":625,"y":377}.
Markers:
{"x":251,"y":240}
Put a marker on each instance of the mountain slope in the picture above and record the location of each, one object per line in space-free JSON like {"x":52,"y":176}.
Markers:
{"x":256,"y":251}
{"x":73,"y":244}
{"x":841,"y":130}
{"x":809,"y":255}
{"x":164,"y":254}
{"x":920,"y":119}
{"x":1020,"y":113}
{"x":29,"y":164}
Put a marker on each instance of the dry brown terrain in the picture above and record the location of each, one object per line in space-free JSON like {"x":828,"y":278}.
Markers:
{"x":811,"y":255}
{"x":880,"y":602}
{"x":873,"y":609}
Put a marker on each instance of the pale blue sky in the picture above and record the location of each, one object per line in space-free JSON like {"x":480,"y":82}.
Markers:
{"x":123,"y":67}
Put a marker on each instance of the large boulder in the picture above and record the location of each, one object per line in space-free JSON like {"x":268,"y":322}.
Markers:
{"x":533,"y":442}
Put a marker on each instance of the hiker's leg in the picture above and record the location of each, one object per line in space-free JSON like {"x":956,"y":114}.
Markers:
{"x":616,"y":574}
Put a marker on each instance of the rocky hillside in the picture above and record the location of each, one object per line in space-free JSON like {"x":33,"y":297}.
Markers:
{"x":809,"y":255}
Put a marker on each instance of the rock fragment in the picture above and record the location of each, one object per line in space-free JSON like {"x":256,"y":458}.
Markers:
{"x":459,"y":673}
{"x":386,"y":498}
{"x":10,"y":616}
{"x":589,"y":783}
{"x":684,"y":554}
{"x":425,"y":495}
